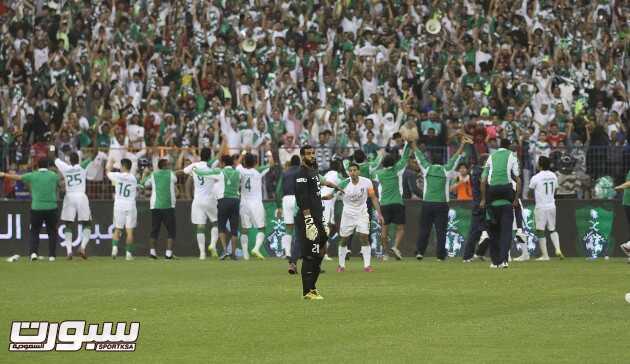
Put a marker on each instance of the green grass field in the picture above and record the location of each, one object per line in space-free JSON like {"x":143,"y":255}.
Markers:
{"x":570,"y":311}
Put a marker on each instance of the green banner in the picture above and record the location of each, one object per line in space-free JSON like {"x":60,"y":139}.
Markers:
{"x":594,"y":226}
{"x":457,"y":230}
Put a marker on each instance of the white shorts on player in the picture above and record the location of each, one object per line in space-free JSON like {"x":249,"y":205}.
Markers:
{"x":76,"y":206}
{"x":125,"y":219}
{"x":252,"y":214}
{"x":545,"y":217}
{"x":289,"y":209}
{"x":351,"y":223}
{"x":329,"y":211}
{"x":202,"y":211}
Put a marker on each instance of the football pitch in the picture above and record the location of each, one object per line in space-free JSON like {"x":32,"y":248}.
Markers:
{"x":192,"y":311}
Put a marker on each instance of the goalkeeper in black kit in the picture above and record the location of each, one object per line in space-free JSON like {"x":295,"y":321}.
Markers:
{"x":309,"y":226}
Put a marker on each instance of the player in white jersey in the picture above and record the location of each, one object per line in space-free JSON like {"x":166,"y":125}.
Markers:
{"x":329,"y":198}
{"x":125,"y":213}
{"x":252,"y":210}
{"x":204,"y":204}
{"x":355,"y":217}
{"x":75,"y":203}
{"x":544,"y":184}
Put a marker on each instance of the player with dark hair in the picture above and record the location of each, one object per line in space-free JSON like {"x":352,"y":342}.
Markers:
{"x":204,"y":204}
{"x":162,"y":204}
{"x":228,"y":187}
{"x":252,"y":210}
{"x":75,"y":203}
{"x":43,"y":184}
{"x":285,"y":200}
{"x":125,"y":212}
{"x":499,"y":199}
{"x":436,"y":196}
{"x":310,"y":230}
{"x":390,"y":198}
{"x":355,"y":217}
{"x":545,"y":184}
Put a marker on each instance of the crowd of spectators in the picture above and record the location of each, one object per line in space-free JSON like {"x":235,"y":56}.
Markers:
{"x":271,"y":75}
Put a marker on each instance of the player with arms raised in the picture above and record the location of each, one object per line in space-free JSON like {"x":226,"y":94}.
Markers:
{"x":75,"y":203}
{"x":204,"y":204}
{"x":125,"y":212}
{"x":252,"y":210}
{"x":355,"y":217}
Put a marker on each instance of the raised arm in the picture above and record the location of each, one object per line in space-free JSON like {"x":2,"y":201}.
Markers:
{"x":402,"y":163}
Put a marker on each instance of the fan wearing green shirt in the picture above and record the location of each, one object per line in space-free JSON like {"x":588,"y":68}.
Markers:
{"x":43,"y":185}
{"x":162,"y":204}
{"x":227,"y":188}
{"x":500,"y":171}
{"x":390,"y":197}
{"x":435,"y":208}
{"x":625,"y":187}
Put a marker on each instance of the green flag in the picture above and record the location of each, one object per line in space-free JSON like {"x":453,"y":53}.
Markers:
{"x":594,"y":226}
{"x":457,"y":230}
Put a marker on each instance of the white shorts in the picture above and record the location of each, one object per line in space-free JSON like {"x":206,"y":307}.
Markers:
{"x":289,"y":209}
{"x":76,"y":205}
{"x":329,"y":211}
{"x":202,"y":211}
{"x":125,"y":218}
{"x":545,"y":218}
{"x":351,"y":223}
{"x":252,"y":214}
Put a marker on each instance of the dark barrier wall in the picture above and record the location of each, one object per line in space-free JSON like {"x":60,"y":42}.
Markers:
{"x":586,"y":228}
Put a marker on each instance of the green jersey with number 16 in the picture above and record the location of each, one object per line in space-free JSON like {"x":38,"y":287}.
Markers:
{"x":126,"y":186}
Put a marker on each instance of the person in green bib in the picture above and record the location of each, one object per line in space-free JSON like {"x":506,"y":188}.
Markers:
{"x":227,"y":188}
{"x":162,"y":204}
{"x":434,"y":213}
{"x":43,"y":185}
{"x":500,"y":187}
{"x":625,"y":187}
{"x":390,"y":198}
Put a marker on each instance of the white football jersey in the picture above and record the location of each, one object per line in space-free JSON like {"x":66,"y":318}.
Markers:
{"x":204,"y":186}
{"x":74,"y":176}
{"x":126,"y":189}
{"x":355,"y":196}
{"x":251,"y":182}
{"x":544,"y":184}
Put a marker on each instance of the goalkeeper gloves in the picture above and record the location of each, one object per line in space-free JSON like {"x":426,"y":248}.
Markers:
{"x":311,"y":229}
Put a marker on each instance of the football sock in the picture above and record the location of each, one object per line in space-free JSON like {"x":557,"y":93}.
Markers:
{"x":152,"y":251}
{"x":343,"y":251}
{"x":366,"y":251}
{"x":542,"y":242}
{"x":169,"y":253}
{"x":317,"y":269}
{"x":555,"y":240}
{"x":201,"y":242}
{"x":286,"y":244}
{"x":129,"y":247}
{"x":308,"y":275}
{"x":68,"y":241}
{"x":214,"y":236}
{"x":524,"y":251}
{"x":245,"y":246}
{"x":87,"y":232}
{"x":260,"y":239}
